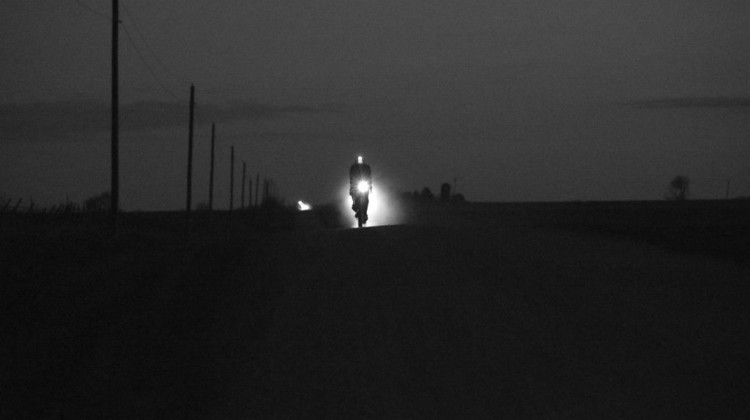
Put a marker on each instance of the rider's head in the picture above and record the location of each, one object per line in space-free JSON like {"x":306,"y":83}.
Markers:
{"x":360,"y":160}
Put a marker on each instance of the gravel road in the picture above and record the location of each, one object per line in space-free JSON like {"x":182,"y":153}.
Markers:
{"x":476,"y":315}
{"x":483,"y":319}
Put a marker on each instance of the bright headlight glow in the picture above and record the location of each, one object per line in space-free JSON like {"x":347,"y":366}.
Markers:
{"x":384,"y":209}
{"x":363,"y":186}
{"x":302,"y":206}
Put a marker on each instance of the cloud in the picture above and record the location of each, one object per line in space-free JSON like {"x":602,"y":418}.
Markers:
{"x":71,"y":119}
{"x":52,"y":119}
{"x":691,"y":102}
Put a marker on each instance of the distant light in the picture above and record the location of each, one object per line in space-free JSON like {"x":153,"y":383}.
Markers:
{"x":359,"y":159}
{"x":302,"y":206}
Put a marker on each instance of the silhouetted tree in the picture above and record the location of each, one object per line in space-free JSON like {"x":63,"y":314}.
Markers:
{"x":98,"y":203}
{"x":427,"y":194}
{"x":679,"y":188}
{"x":445,"y":192}
{"x":4,"y":203}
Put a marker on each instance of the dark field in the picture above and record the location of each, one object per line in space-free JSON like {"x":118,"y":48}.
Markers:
{"x":716,"y":228}
{"x":549,"y":310}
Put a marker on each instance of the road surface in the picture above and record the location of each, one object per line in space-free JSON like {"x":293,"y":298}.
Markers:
{"x":475,"y":317}
{"x":484,"y":319}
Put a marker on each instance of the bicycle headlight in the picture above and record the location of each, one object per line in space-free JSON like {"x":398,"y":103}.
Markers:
{"x":363,"y":186}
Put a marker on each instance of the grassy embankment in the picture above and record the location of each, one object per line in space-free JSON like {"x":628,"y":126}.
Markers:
{"x":70,"y":290}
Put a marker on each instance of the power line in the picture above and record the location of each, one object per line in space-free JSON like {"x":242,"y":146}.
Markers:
{"x":131,"y":41}
{"x":148,"y":46}
{"x":135,"y":47}
{"x":148,"y":67}
{"x":92,"y":10}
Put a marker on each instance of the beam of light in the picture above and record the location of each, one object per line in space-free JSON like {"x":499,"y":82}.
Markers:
{"x":302,"y":206}
{"x":383,"y":208}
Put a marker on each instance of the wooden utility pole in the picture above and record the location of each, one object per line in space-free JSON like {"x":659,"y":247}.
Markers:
{"x":231,"y":182}
{"x":115,"y":158}
{"x":729,"y":182}
{"x":257,"y":187}
{"x":250,"y":192}
{"x":211,"y":176}
{"x":190,"y":152}
{"x":244,"y":176}
{"x":266,"y":190}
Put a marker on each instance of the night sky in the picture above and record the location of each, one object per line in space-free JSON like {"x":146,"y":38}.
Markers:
{"x":528,"y":100}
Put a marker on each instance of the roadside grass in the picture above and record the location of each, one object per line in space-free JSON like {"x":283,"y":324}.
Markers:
{"x":69,"y":290}
{"x":712,"y":228}
{"x":716,"y":228}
